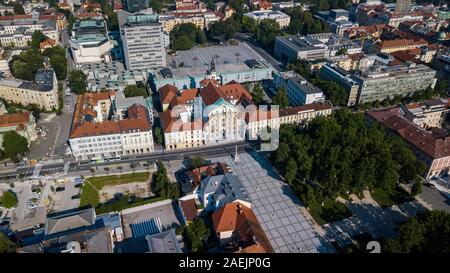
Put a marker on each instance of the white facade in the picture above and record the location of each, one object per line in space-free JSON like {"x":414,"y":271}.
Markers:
{"x":91,"y":48}
{"x":281,"y":18}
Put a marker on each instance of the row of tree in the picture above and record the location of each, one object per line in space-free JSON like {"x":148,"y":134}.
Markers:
{"x":162,"y":186}
{"x":340,"y":154}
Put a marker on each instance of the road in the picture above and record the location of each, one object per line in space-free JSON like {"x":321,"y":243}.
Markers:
{"x":436,"y":199}
{"x":75,"y":168}
{"x":64,"y":126}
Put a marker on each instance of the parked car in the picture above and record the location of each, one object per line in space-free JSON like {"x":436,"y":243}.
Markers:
{"x":79,"y":185}
{"x":76,"y":196}
{"x":427,"y":184}
{"x":58,"y":189}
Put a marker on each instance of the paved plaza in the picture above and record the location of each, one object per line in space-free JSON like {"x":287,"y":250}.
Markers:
{"x":275,"y":205}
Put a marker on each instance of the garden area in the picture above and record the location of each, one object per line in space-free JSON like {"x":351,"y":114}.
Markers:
{"x":93,"y":185}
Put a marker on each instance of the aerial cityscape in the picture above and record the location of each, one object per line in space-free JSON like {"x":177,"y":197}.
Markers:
{"x":224,"y":126}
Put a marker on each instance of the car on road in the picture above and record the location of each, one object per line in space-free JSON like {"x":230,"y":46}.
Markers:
{"x":79,"y":185}
{"x":58,"y":189}
{"x":31,"y":205}
{"x":427,"y":184}
{"x":76,"y":196}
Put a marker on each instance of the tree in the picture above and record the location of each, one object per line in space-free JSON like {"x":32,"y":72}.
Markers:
{"x":156,"y":5}
{"x":158,"y":135}
{"x":18,"y":9}
{"x":77,"y":82}
{"x":341,"y":51}
{"x":334,"y":92}
{"x":416,"y":188}
{"x":135,"y":91}
{"x":14,"y":145}
{"x":184,"y":36}
{"x":36,"y":38}
{"x":58,"y":61}
{"x":258,"y":94}
{"x":6,"y":245}
{"x":8,"y":199}
{"x":428,"y":232}
{"x":197,"y":161}
{"x":249,"y":24}
{"x":201,"y":37}
{"x":281,"y":98}
{"x":268,"y":30}
{"x":170,"y":191}
{"x":196,"y":233}
{"x":182,"y":42}
{"x":291,"y":171}
{"x":26,"y":64}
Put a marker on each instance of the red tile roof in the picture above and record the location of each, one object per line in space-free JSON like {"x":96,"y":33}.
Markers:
{"x":15,"y":119}
{"x":241,"y":219}
{"x":189,"y":209}
{"x":425,"y":141}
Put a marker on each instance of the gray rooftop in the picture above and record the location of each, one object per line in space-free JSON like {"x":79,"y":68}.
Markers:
{"x":68,"y":220}
{"x":225,"y":187}
{"x":164,"y":242}
{"x":304,"y":85}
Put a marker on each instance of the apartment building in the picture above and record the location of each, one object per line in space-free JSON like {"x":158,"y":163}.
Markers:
{"x":299,"y":91}
{"x":17,"y":33}
{"x":312,"y":47}
{"x":143,"y":40}
{"x":96,"y":135}
{"x":389,"y":46}
{"x":281,"y":18}
{"x":381,"y":81}
{"x":201,"y":20}
{"x":427,"y":114}
{"x":43,"y":91}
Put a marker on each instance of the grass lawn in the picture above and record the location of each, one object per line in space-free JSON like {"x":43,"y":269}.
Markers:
{"x":385,"y":199}
{"x":331,"y":211}
{"x":118,"y":206}
{"x":89,"y":194}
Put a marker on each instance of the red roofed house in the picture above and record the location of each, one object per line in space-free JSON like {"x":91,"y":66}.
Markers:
{"x":238,"y":229}
{"x":99,"y":133}
{"x":47,"y":43}
{"x":430,"y":147}
{"x":22,"y":123}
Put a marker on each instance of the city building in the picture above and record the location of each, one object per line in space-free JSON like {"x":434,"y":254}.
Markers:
{"x":298,"y":89}
{"x":402,"y":6}
{"x":111,"y":76}
{"x":380,"y":81}
{"x":163,"y":242}
{"x":43,"y":91}
{"x":430,"y":147}
{"x":17,"y":33}
{"x":337,"y":20}
{"x":89,"y":42}
{"x":135,"y":5}
{"x":193,"y":178}
{"x":100,"y":132}
{"x":281,"y":18}
{"x":389,"y":46}
{"x":22,"y":123}
{"x":74,"y":231}
{"x":288,"y":4}
{"x":303,"y":114}
{"x":239,"y":63}
{"x":219,"y":190}
{"x":201,"y":20}
{"x":185,"y":6}
{"x":142,"y":39}
{"x":312,"y":47}
{"x":427,"y":114}
{"x":239,"y":230}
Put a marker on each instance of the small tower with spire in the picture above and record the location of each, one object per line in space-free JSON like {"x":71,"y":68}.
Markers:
{"x":212,"y":70}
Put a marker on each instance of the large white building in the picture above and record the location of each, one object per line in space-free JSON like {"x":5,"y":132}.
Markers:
{"x":143,"y":40}
{"x":95,"y":135}
{"x":281,"y":18}
{"x":217,"y":114}
{"x":43,"y":91}
{"x":89,"y":42}
{"x":299,"y":91}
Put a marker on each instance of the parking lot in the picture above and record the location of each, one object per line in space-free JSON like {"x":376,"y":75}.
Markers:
{"x":62,"y":200}
{"x":30,"y":210}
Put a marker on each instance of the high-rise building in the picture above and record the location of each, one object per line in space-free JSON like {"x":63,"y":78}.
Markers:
{"x":135,"y":5}
{"x":143,"y":40}
{"x":402,"y":5}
